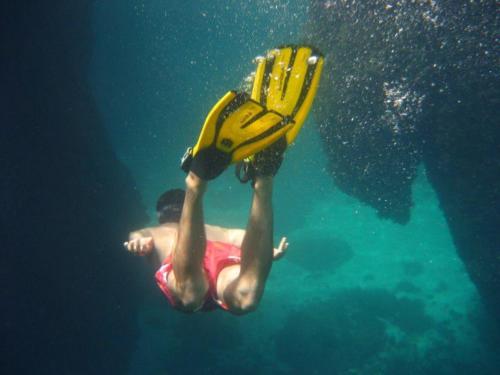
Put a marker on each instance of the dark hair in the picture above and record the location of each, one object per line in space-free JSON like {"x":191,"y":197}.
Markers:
{"x":169,"y":206}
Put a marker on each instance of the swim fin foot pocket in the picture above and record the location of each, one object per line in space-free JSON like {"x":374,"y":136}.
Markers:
{"x":264,"y":163}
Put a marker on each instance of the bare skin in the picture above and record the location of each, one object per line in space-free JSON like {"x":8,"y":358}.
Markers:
{"x":157,"y":243}
{"x":241,"y":286}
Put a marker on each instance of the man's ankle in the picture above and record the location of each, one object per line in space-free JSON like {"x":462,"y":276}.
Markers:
{"x":195,"y":184}
{"x":263,"y":184}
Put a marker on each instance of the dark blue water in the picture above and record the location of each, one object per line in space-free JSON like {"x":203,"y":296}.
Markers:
{"x":355,"y":294}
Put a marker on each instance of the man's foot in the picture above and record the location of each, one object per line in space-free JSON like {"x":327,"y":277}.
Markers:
{"x":268,"y":161}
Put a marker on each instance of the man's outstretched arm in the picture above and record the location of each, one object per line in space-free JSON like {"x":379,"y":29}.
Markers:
{"x":235,"y":237}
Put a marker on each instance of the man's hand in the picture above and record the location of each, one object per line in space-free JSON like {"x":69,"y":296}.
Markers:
{"x":281,"y":249}
{"x":140,"y":246}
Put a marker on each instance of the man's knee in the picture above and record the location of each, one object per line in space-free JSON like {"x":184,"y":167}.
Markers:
{"x":243,"y":301}
{"x":189,"y":302}
{"x":189,"y":295}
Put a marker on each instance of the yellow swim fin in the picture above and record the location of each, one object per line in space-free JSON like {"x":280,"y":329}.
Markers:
{"x":286,"y":81}
{"x":235,"y":128}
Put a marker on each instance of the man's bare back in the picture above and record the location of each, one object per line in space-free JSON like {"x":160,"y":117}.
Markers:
{"x":157,"y":243}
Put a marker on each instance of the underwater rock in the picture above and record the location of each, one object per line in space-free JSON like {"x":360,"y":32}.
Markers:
{"x":407,"y":288}
{"x":372,"y":331}
{"x":352,"y":331}
{"x":320,"y":253}
{"x":412,"y":268}
{"x":70,"y":291}
{"x":412,"y":82}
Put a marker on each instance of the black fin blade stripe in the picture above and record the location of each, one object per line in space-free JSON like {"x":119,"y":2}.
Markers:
{"x":265,"y":82}
{"x":253,"y":119}
{"x":311,"y":69}
{"x":266,"y":134}
{"x":288,"y":72}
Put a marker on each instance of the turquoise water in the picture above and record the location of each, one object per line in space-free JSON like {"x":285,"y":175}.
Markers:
{"x":355,"y":294}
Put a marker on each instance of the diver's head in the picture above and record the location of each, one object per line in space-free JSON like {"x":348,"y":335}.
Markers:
{"x":169,"y":206}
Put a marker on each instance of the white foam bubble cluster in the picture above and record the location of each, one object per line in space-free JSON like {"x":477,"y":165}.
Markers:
{"x":258,"y":59}
{"x":402,"y":105}
{"x":312,"y":60}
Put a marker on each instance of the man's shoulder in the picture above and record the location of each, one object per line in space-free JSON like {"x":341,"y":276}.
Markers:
{"x":164,"y":229}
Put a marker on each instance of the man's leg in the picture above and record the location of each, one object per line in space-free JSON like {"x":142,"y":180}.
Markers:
{"x":188,"y":282}
{"x":244,"y":293}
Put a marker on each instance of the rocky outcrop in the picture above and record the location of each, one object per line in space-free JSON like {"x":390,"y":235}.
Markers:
{"x":409,"y":82}
{"x":69,"y":293}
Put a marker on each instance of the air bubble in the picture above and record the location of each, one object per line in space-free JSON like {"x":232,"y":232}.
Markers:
{"x":273,"y":53}
{"x":258,"y":59}
{"x":312,"y":60}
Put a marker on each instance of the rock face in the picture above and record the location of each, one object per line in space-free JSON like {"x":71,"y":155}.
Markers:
{"x":409,"y":82}
{"x":69,"y":293}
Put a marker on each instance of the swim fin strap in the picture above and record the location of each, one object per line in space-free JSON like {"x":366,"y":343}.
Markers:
{"x":286,"y":81}
{"x":235,"y":128}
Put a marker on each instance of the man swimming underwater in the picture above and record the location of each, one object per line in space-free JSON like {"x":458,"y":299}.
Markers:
{"x":203,"y":267}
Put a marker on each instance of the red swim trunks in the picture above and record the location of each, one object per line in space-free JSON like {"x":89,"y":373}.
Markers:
{"x":218,"y":255}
